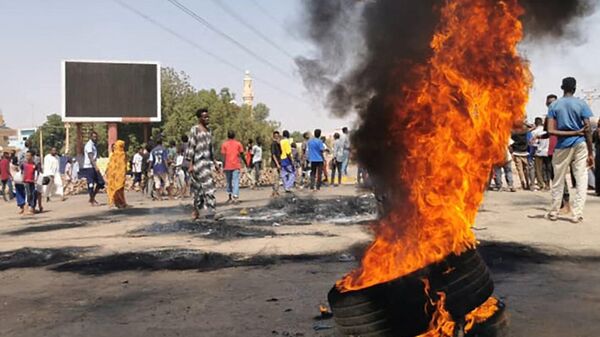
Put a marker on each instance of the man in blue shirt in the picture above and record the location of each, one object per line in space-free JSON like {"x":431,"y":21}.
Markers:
{"x":315,"y":156}
{"x":569,"y":121}
{"x":159,"y":159}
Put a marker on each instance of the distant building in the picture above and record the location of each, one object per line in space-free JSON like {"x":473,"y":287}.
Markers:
{"x":6,"y":133}
{"x":18,"y":140}
{"x":248,"y":92}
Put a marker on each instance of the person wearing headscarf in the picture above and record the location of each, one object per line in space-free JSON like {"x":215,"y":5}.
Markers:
{"x":115,"y":174}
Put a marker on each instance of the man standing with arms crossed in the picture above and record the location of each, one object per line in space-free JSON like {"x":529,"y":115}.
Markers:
{"x":569,"y":120}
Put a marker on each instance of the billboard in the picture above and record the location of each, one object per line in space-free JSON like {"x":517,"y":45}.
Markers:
{"x":110,"y":91}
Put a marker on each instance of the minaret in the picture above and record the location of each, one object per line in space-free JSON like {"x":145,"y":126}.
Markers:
{"x":248,"y":93}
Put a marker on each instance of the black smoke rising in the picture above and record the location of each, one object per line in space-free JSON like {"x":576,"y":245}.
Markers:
{"x":333,"y":28}
{"x":553,"y":17}
{"x":394,"y":38}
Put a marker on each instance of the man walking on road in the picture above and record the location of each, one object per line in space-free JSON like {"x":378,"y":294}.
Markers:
{"x":257,"y":161}
{"x":159,"y":159}
{"x":136,"y":168}
{"x":200,"y":156}
{"x":288,"y":172}
{"x":569,"y":120}
{"x":276,"y":162}
{"x":233,"y":155}
{"x":5,"y":176}
{"x":51,"y":170}
{"x":90,"y":169}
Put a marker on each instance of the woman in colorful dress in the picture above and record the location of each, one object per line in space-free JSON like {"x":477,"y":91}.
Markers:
{"x":115,"y":174}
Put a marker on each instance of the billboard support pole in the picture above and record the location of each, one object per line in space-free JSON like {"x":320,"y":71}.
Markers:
{"x":112,"y":135}
{"x":79,"y":141}
{"x":146,"y":137}
{"x":67,"y":144}
{"x":41,"y":144}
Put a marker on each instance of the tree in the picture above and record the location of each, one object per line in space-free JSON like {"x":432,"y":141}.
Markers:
{"x":53,"y":134}
{"x":297,"y":136}
{"x":261,"y":112}
{"x":180,"y":100}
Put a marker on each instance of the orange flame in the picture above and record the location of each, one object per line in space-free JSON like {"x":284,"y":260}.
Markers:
{"x":481,"y":314}
{"x":454,"y":122}
{"x":442,"y":324}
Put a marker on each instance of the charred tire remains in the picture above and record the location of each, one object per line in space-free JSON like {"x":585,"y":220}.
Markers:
{"x":402,"y":308}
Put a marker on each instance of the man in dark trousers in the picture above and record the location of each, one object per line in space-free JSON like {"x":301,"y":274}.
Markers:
{"x":316,"y":158}
{"x":90,"y":169}
{"x":276,"y":162}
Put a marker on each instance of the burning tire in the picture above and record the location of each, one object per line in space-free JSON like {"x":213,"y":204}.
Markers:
{"x":402,"y":308}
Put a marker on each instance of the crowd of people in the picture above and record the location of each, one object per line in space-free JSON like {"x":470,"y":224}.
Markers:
{"x":182,"y":170}
{"x":544,"y":153}
{"x":29,"y":179}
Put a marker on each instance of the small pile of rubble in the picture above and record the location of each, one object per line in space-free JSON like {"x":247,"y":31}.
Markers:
{"x":247,"y":178}
{"x":76,"y":187}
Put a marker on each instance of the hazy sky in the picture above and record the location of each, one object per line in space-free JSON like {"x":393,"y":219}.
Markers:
{"x":37,"y":35}
{"x":557,"y":58}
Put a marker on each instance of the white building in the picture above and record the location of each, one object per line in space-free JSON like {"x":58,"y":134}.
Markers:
{"x":18,"y":141}
{"x":248,"y":92}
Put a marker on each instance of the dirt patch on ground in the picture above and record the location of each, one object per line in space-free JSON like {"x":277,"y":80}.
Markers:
{"x":35,"y":257}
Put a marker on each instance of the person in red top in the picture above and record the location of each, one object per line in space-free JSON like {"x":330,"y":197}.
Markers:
{"x":5,"y":176}
{"x":233,"y":156}
{"x":30,"y":173}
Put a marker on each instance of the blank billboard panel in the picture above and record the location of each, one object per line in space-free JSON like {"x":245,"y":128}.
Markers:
{"x":110,"y":91}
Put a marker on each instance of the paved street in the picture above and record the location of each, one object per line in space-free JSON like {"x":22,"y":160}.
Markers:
{"x":263,"y":268}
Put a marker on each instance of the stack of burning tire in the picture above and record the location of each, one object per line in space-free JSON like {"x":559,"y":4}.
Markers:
{"x":406,"y":307}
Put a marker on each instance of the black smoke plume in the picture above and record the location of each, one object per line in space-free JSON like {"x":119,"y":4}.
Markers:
{"x":365,"y":47}
{"x":553,"y":17}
